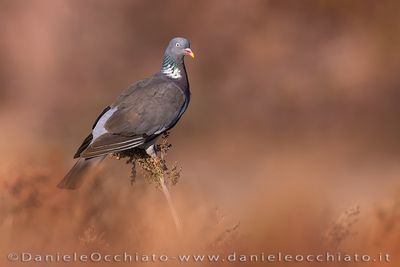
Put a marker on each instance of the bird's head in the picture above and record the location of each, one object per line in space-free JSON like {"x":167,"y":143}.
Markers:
{"x":177,"y":48}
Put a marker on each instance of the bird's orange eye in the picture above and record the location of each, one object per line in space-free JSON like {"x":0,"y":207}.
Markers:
{"x":177,"y":45}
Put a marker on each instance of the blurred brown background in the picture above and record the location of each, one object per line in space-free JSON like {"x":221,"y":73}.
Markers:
{"x":294,"y":118}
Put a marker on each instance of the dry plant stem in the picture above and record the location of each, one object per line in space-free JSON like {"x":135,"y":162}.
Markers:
{"x":171,"y":206}
{"x":156,"y":171}
{"x":160,"y":163}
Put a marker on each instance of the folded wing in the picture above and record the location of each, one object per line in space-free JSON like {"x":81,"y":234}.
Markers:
{"x":141,"y":113}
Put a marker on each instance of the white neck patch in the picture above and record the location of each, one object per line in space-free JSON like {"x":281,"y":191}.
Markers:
{"x":172,"y":71}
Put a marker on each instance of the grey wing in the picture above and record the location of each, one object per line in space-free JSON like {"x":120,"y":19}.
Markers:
{"x":137,"y":117}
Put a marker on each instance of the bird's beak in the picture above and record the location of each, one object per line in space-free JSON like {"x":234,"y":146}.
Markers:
{"x":189,"y":52}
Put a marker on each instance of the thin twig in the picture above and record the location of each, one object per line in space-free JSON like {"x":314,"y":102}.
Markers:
{"x":171,"y":206}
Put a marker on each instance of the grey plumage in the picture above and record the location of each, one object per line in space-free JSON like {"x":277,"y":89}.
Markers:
{"x":142,"y":112}
{"x":74,"y":177}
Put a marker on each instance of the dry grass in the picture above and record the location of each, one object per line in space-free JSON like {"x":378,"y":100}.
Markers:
{"x":341,"y":229}
{"x":92,"y":238}
{"x":153,"y":170}
{"x":389,"y":216}
{"x":102,"y":217}
{"x":387,"y":222}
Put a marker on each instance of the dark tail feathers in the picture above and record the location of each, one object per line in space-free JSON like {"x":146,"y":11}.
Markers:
{"x":74,"y":177}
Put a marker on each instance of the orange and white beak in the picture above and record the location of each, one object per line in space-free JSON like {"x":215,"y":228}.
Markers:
{"x":189,"y":52}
